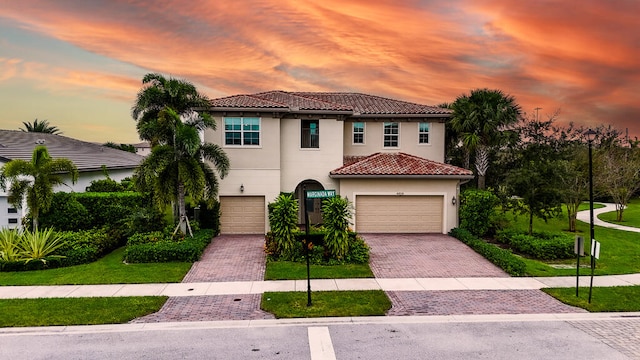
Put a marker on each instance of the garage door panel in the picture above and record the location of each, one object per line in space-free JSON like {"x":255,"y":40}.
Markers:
{"x":399,"y":214}
{"x":242,"y":214}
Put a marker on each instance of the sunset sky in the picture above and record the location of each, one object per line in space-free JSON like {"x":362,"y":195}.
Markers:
{"x":79,"y":63}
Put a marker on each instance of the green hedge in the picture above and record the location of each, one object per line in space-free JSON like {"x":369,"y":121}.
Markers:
{"x":111,"y":207}
{"x":502,"y":258}
{"x":540,"y":245}
{"x":166,"y":249}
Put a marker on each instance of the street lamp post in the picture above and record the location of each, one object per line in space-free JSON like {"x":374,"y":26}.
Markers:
{"x":590,"y":136}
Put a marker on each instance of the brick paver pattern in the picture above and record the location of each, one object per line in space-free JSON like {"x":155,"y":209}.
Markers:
{"x":230,"y":258}
{"x":209,"y":308}
{"x":475,"y":302}
{"x":426,"y":256}
{"x":227,"y":258}
{"x":621,"y":334}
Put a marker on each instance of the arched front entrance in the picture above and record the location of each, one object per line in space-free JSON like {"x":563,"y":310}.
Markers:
{"x":315,"y":205}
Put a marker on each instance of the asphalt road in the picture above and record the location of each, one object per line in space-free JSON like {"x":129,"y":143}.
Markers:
{"x":469,"y":337}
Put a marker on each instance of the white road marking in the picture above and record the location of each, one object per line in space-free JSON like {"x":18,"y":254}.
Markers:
{"x":320,"y":344}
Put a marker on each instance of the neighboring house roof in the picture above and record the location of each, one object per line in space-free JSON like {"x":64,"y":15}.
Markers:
{"x":87,"y":156}
{"x":398,"y":165}
{"x":142,"y":145}
{"x":351,"y":104}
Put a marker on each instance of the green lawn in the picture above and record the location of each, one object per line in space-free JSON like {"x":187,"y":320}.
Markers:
{"x":326,"y":303}
{"x":603,"y":299}
{"x":108,"y":270}
{"x":76,"y":311}
{"x":619,"y":253}
{"x":630,"y":216}
{"x":287,"y":270}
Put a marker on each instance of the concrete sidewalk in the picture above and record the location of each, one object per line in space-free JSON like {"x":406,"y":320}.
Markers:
{"x":259,"y":287}
{"x":584,"y":216}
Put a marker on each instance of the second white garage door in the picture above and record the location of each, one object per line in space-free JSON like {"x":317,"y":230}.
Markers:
{"x":399,"y":214}
{"x":242,"y":215}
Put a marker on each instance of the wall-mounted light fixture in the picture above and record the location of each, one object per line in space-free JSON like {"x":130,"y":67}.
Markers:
{"x":453,"y":200}
{"x":241,"y":187}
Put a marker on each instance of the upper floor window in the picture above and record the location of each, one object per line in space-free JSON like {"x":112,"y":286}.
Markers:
{"x":12,"y":210}
{"x":391,"y":134}
{"x":310,"y":134}
{"x":358,"y":133}
{"x":423,"y":133}
{"x":242,"y":131}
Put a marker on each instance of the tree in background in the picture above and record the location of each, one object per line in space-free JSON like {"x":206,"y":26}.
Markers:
{"x":40,"y":127}
{"x":36,"y":179}
{"x":616,"y":168}
{"x":482,"y":120}
{"x":168,"y":116}
{"x":124,"y":147}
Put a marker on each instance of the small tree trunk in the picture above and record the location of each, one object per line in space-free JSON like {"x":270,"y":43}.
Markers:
{"x":182,"y":212}
{"x":482,"y":164}
{"x":572,"y":210}
{"x":530,"y":222}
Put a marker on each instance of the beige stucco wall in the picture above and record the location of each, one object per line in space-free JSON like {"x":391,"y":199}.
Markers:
{"x":408,"y":140}
{"x":300,"y":164}
{"x":350,"y":188}
{"x":255,"y":168}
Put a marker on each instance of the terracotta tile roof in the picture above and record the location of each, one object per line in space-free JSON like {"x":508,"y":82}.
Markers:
{"x":354,"y":104}
{"x":87,"y":156}
{"x":398,"y":164}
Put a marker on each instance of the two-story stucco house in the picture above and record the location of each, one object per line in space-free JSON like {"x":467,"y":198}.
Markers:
{"x":386,"y":156}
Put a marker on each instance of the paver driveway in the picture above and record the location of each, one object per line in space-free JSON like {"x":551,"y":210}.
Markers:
{"x":426,"y":256}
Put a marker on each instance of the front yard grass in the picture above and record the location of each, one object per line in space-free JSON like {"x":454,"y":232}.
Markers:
{"x":603,"y":299}
{"x":76,"y":311}
{"x":619,"y":252}
{"x":107,"y":270}
{"x":326,"y":304}
{"x":289,"y":270}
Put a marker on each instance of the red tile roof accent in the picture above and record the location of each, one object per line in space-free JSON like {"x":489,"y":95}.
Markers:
{"x":357,"y":104}
{"x":384,"y":164}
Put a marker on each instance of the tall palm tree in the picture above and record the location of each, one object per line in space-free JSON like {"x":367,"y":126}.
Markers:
{"x":169,"y":116}
{"x":36,"y":179}
{"x":159,"y":93}
{"x":480,"y":119}
{"x":40,"y":127}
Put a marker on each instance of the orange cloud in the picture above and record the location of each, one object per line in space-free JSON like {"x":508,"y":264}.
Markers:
{"x":580,"y":56}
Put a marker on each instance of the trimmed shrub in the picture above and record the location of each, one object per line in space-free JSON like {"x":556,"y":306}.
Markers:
{"x":477,"y":210}
{"x":105,"y":185}
{"x":66,"y":214}
{"x":112,"y":207}
{"x":540,"y":245}
{"x":187,"y":249}
{"x":502,"y":258}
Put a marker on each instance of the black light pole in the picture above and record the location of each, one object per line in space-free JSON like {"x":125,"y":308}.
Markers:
{"x":590,"y":135}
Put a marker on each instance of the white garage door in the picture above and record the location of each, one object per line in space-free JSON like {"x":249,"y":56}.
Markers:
{"x":399,"y":214}
{"x":242,"y":215}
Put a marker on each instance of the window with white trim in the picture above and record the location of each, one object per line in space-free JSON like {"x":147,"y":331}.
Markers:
{"x":242,"y":131}
{"x":358,"y":133}
{"x":310,"y":134}
{"x":423,"y":132}
{"x":391,"y":135}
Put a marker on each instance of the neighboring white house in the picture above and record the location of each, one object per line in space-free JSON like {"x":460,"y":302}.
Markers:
{"x":88,"y":157}
{"x":142,"y":148}
{"x":384,"y":155}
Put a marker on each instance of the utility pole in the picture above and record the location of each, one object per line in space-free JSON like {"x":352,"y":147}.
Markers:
{"x":536,"y":109}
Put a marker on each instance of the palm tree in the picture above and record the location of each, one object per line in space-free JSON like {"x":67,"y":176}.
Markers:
{"x":40,"y":127}
{"x":158,"y":94}
{"x":176,"y":165}
{"x":480,"y":119}
{"x":36,"y":179}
